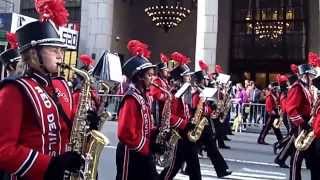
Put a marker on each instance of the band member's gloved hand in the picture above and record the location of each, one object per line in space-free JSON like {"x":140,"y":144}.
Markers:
{"x":190,"y":126}
{"x":306,"y":126}
{"x":93,"y":120}
{"x":69,"y":161}
{"x":158,"y":148}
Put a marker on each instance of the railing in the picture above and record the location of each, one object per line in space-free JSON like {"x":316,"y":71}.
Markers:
{"x":247,"y":115}
{"x":113,"y":103}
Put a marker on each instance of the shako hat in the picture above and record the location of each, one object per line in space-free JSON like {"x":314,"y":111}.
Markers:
{"x":136,"y":64}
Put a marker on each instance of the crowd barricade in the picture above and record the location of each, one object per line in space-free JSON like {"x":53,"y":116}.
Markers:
{"x":247,"y":115}
{"x":113,"y":103}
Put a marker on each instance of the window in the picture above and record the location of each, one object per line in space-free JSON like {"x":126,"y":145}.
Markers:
{"x":266,"y":31}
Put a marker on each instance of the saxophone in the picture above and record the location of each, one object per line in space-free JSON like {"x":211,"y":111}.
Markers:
{"x":278,"y":121}
{"x":224,"y":105}
{"x":88,"y":143}
{"x":101,"y":111}
{"x":305,"y":138}
{"x":200,"y":122}
{"x":166,"y":136}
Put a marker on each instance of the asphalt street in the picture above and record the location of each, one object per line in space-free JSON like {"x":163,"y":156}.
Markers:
{"x":246,"y":159}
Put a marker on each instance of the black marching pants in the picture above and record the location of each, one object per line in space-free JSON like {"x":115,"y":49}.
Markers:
{"x":131,"y":165}
{"x":266,"y":128}
{"x":207,"y":139}
{"x":185,"y":151}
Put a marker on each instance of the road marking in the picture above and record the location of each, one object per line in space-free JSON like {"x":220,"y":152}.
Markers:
{"x":263,"y":172}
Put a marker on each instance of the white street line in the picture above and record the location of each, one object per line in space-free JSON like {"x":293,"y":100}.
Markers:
{"x":264,"y":172}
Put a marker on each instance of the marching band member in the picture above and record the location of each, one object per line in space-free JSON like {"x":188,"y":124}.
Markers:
{"x":38,"y":107}
{"x":135,"y":126}
{"x":288,"y":144}
{"x":299,"y":102}
{"x":185,"y":150}
{"x":10,"y":58}
{"x":315,"y":147}
{"x":272,"y":113}
{"x":207,"y":138}
{"x":159,"y":96}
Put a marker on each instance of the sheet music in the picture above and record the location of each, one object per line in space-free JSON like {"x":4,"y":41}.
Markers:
{"x":182,"y":90}
{"x":223,"y":78}
{"x":208,"y":92}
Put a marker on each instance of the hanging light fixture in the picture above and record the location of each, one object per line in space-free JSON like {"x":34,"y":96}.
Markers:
{"x":167,"y":14}
{"x":269,"y":23}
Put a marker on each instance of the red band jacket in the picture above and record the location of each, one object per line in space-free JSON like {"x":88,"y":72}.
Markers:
{"x":157,"y":93}
{"x":299,"y":101}
{"x":180,"y":113}
{"x":207,"y":110}
{"x":283,"y":102}
{"x":316,"y":123}
{"x":271,"y":103}
{"x":32,"y":130}
{"x":135,"y":126}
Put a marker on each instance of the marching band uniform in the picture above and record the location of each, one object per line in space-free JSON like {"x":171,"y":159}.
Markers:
{"x":185,"y":151}
{"x":135,"y":128}
{"x":158,"y":95}
{"x":272,"y":113}
{"x":39,"y":118}
{"x":9,"y":59}
{"x":207,"y":136}
{"x":298,"y":107}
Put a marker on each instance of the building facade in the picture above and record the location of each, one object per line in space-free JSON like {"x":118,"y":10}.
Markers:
{"x":252,"y":39}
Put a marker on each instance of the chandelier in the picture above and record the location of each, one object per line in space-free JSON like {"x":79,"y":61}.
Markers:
{"x":167,"y":15}
{"x":269,"y":24}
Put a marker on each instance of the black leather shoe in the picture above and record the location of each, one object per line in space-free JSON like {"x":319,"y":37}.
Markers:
{"x":224,"y":147}
{"x":281,"y":164}
{"x":263,"y":143}
{"x":225,"y":173}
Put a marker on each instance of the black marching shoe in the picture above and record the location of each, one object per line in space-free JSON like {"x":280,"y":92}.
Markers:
{"x":281,"y":164}
{"x":225,"y":173}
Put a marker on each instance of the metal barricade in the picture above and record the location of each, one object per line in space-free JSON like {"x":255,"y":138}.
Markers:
{"x":247,"y":115}
{"x":113,"y":103}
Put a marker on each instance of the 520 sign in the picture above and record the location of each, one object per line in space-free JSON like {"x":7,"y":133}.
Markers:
{"x":71,"y":39}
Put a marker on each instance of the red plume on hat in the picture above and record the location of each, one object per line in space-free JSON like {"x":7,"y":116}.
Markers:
{"x":180,"y":58}
{"x":218,"y":69}
{"x":52,"y":9}
{"x":294,"y":68}
{"x":12,"y":40}
{"x":313,"y":59}
{"x":86,"y":59}
{"x":164,"y":58}
{"x":136,"y":47}
{"x":203,"y":65}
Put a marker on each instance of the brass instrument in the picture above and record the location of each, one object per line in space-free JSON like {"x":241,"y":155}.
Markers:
{"x":166,"y":136}
{"x":277,"y":122}
{"x":88,"y":143}
{"x":200,"y":122}
{"x":225,"y":103}
{"x":101,"y":111}
{"x":305,"y":138}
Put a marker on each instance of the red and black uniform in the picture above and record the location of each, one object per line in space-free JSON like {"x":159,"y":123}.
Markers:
{"x":315,"y":147}
{"x":208,"y":137}
{"x":283,"y":102}
{"x":185,"y":151}
{"x":135,"y":129}
{"x":32,"y":129}
{"x":272,"y":113}
{"x":298,"y":107}
{"x":159,"y":98}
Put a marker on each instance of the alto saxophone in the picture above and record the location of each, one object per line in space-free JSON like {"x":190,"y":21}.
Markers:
{"x":101,"y":111}
{"x":88,"y":143}
{"x":200,"y":122}
{"x":166,"y":136}
{"x":305,"y":138}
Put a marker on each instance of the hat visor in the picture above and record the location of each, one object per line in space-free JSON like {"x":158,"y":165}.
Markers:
{"x":187,"y":73}
{"x":311,"y":72}
{"x":55,"y":44}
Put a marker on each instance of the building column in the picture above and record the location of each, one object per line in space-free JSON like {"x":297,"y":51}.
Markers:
{"x":96,"y":27}
{"x":207,"y":31}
